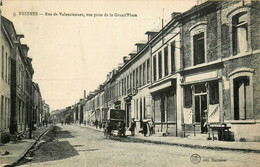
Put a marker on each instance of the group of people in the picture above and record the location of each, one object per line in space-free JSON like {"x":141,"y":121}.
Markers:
{"x":120,"y":128}
{"x":147,"y":125}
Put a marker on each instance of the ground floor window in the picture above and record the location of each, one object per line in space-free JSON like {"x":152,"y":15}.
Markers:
{"x":187,"y":96}
{"x":242,"y":98}
{"x":213,"y":93}
{"x":2,"y":111}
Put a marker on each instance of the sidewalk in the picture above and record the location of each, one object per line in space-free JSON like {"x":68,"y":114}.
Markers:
{"x":193,"y":143}
{"x":18,"y":150}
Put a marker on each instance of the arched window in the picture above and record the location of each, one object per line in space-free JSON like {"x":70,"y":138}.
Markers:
{"x":240,"y":28}
{"x":240,"y":33}
{"x":198,"y":34}
{"x":242,"y":94}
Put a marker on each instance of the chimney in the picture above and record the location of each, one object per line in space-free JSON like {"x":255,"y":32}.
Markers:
{"x":25,"y":49}
{"x":19,"y":36}
{"x":120,"y":65}
{"x":201,"y":1}
{"x":175,"y":14}
{"x":140,"y":45}
{"x":151,"y":34}
{"x":126,"y":59}
{"x":84,"y":94}
{"x":132,"y":54}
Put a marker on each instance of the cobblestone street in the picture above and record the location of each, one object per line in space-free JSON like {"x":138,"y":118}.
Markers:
{"x":94,"y":150}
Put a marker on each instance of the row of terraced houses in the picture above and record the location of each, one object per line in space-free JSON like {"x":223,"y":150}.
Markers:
{"x":21,"y":103}
{"x":202,"y":68}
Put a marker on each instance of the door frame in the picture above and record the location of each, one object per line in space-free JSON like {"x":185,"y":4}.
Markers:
{"x":193,"y":103}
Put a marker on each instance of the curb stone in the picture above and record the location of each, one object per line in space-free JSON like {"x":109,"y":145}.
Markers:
{"x":188,"y":145}
{"x":137,"y":140}
{"x":19,"y":159}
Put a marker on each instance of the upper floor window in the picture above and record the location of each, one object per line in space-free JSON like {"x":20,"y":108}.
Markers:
{"x":199,"y":48}
{"x":137,"y":80}
{"x":140,"y":75}
{"x":131,"y":80}
{"x":154,"y":68}
{"x":173,"y":56}
{"x":144,"y":72}
{"x":148,"y":70}
{"x":198,"y":43}
{"x":9,"y":71}
{"x":166,"y":72}
{"x":240,"y":33}
{"x":134,"y":79}
{"x":160,"y":64}
{"x":6,"y":67}
{"x":3,"y":58}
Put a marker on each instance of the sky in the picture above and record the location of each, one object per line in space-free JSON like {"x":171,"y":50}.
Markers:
{"x":75,"y":53}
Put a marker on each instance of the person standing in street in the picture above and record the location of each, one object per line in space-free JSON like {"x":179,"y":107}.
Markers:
{"x":96,"y":123}
{"x":132,"y":128}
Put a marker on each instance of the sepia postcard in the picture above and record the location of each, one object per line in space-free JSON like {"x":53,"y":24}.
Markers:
{"x":156,"y":83}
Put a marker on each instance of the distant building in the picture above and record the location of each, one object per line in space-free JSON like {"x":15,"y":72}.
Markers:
{"x":37,"y":105}
{"x":45,"y":112}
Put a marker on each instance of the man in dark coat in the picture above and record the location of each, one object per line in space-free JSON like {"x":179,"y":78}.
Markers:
{"x":132,"y":128}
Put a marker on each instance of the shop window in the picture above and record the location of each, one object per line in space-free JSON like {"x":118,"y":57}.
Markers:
{"x":166,"y":61}
{"x":137,"y":117}
{"x":240,"y":33}
{"x":199,"y":48}
{"x":2,"y":111}
{"x":144,"y":109}
{"x":213,"y":93}
{"x":187,"y":96}
{"x":173,"y":56}
{"x":242,"y":98}
{"x":163,"y":109}
{"x":154,"y":68}
{"x":160,"y":64}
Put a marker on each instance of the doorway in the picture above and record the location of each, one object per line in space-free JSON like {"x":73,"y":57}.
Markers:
{"x":128,"y":114}
{"x":200,"y":111}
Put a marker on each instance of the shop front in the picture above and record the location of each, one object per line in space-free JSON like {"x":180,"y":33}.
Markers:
{"x":128,"y":110}
{"x":201,"y":104}
{"x":165,"y":107}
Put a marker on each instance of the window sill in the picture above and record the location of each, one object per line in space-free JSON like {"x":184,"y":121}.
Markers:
{"x":252,"y":121}
{"x":250,"y":52}
{"x":202,"y":65}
